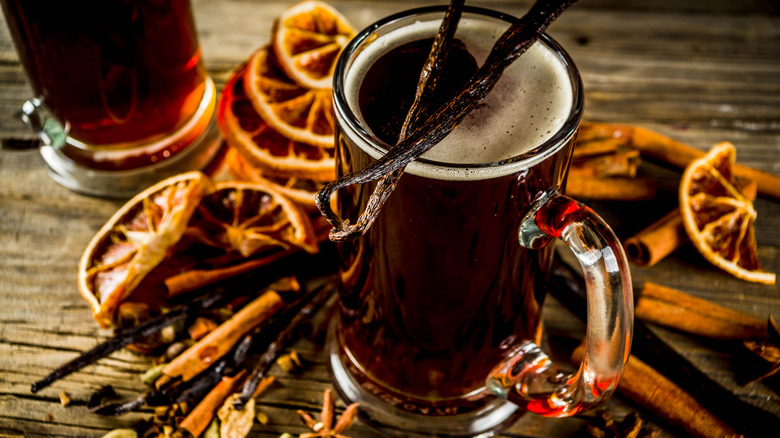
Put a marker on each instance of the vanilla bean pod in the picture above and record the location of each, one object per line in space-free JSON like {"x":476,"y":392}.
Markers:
{"x":176,"y":392}
{"x":127,"y":337}
{"x":429,"y":78}
{"x":433,"y":68}
{"x":567,"y":285}
{"x":511,"y":45}
{"x":306,"y":306}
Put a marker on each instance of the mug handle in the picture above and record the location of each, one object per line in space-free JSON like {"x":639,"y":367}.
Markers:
{"x":528,"y":377}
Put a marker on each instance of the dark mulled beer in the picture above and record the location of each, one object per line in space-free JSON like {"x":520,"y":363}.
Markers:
{"x":439,"y":290}
{"x":118,"y":74}
{"x":440,"y":299}
{"x":115,"y":71}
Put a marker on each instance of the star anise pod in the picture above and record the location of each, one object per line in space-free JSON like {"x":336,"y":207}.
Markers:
{"x":325,"y":427}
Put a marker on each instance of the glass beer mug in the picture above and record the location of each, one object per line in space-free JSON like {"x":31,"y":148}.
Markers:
{"x":440,"y":300}
{"x":122,"y":98}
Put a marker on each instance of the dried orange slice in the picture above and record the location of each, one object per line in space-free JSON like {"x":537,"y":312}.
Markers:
{"x":135,"y":240}
{"x":249,"y":218}
{"x":308,"y":39}
{"x":718,"y":218}
{"x":300,"y":113}
{"x":298,"y":189}
{"x":265,"y":147}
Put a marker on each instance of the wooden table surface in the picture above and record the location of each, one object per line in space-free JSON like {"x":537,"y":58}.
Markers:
{"x":700,"y":72}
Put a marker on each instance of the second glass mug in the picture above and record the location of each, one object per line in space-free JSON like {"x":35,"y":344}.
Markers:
{"x":440,"y":301}
{"x":122,"y":98}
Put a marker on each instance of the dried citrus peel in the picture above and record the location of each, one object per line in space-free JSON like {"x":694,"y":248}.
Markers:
{"x":718,"y":218}
{"x":300,"y":113}
{"x":250,"y":218}
{"x":237,"y":217}
{"x":308,"y":39}
{"x":135,"y":240}
{"x":276,"y":152}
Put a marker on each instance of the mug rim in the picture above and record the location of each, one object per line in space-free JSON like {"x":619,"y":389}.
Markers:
{"x":349,"y":119}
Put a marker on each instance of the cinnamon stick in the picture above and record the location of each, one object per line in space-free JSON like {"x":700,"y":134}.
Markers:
{"x":594,"y":145}
{"x":658,"y":240}
{"x":198,"y":278}
{"x":567,"y":285}
{"x":674,"y":153}
{"x":201,"y":416}
{"x":680,"y":311}
{"x":220,"y":341}
{"x":623,"y":163}
{"x":306,"y":306}
{"x":652,"y":391}
{"x":611,"y":189}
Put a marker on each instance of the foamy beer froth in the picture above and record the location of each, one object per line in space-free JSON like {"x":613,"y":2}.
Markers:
{"x":529,"y":104}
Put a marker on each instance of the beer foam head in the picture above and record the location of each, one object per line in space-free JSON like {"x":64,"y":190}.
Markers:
{"x":530,"y":103}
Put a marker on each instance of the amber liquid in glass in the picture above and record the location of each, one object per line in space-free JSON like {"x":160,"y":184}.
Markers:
{"x":115,"y":72}
{"x":439,"y":290}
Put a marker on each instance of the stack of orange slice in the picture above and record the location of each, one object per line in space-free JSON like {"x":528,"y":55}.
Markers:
{"x":243,"y":218}
{"x":276,"y":110}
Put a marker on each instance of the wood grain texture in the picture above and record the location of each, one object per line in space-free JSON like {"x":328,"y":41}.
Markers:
{"x":700,"y":72}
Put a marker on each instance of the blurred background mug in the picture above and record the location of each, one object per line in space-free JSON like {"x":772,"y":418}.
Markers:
{"x":121,"y":96}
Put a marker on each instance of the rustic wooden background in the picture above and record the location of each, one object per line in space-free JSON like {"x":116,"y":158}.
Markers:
{"x":700,"y":72}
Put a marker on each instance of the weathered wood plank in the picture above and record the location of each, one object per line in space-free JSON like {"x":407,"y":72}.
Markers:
{"x":700,"y":72}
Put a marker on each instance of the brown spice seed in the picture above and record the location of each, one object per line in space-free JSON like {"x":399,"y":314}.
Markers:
{"x":64,"y":398}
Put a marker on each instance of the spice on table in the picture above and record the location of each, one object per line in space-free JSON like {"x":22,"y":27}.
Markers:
{"x":684,"y":312}
{"x":662,"y":237}
{"x":235,"y":423}
{"x":290,"y":363}
{"x":121,"y":433}
{"x":214,"y":345}
{"x":658,"y":240}
{"x":203,"y":413}
{"x":125,"y":338}
{"x":602,"y":163}
{"x":195,"y":279}
{"x":302,"y":311}
{"x":611,"y":189}
{"x":64,"y":398}
{"x":669,"y":151}
{"x":768,"y":350}
{"x":201,"y":327}
{"x":651,"y":390}
{"x":568,"y":286}
{"x":325,"y":427}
